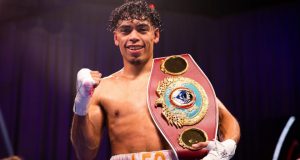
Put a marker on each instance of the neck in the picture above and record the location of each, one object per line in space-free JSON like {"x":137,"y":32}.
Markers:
{"x":135,"y":70}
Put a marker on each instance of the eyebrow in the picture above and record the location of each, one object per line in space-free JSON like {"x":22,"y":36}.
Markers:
{"x":130,"y":26}
{"x":137,"y":24}
{"x":143,"y":25}
{"x":124,"y":26}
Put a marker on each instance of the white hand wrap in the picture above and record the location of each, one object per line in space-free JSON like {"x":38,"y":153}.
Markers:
{"x":84,"y":87}
{"x":220,"y":150}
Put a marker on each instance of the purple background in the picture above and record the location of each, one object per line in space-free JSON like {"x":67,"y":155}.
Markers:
{"x":251,"y":58}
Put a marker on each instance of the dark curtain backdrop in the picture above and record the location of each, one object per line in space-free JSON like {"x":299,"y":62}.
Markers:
{"x":251,"y":59}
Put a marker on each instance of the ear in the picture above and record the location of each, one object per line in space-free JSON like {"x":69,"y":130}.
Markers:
{"x":116,"y":39}
{"x":156,"y":35}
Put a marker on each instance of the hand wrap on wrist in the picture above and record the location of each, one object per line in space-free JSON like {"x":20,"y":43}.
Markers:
{"x":85,"y":87}
{"x":220,"y":150}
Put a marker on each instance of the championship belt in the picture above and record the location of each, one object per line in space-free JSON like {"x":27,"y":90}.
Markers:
{"x":182,"y":104}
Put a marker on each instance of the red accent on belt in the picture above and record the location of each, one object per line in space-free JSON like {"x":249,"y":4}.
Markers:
{"x":209,"y":123}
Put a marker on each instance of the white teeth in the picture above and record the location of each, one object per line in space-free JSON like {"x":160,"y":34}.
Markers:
{"x":135,"y":47}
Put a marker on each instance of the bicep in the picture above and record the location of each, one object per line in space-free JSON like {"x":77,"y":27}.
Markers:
{"x":223,"y":111}
{"x":228,"y":125}
{"x":95,"y":113}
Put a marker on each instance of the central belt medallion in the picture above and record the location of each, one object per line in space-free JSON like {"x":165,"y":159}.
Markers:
{"x":183,"y":100}
{"x":182,"y":97}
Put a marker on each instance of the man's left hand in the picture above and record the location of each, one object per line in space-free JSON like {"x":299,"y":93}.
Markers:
{"x":218,"y":150}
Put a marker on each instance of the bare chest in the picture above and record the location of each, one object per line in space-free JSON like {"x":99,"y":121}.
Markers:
{"x":130,"y":125}
{"x":125,"y":98}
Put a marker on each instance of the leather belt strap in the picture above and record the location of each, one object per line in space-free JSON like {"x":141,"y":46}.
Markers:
{"x":182,"y":104}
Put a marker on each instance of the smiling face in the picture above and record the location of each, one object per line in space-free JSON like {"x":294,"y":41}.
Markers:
{"x":136,"y":39}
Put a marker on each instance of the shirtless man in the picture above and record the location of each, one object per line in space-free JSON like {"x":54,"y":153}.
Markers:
{"x":120,"y":100}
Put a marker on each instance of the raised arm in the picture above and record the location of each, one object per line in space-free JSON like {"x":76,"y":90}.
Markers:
{"x":88,"y":117}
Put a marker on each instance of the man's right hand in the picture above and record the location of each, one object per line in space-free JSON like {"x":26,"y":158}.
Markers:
{"x":87,"y":80}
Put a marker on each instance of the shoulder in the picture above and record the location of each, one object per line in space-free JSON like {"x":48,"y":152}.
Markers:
{"x":107,"y":87}
{"x":109,"y":80}
{"x":107,"y":83}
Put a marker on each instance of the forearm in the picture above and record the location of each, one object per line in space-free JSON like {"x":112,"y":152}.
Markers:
{"x":84,"y":137}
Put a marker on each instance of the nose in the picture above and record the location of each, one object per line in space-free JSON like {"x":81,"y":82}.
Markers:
{"x":134,"y":36}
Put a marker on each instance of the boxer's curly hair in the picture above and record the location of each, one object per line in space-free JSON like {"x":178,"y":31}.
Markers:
{"x":134,"y":9}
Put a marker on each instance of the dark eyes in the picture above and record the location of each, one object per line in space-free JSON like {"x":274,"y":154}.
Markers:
{"x":142,"y":30}
{"x":127,"y":29}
